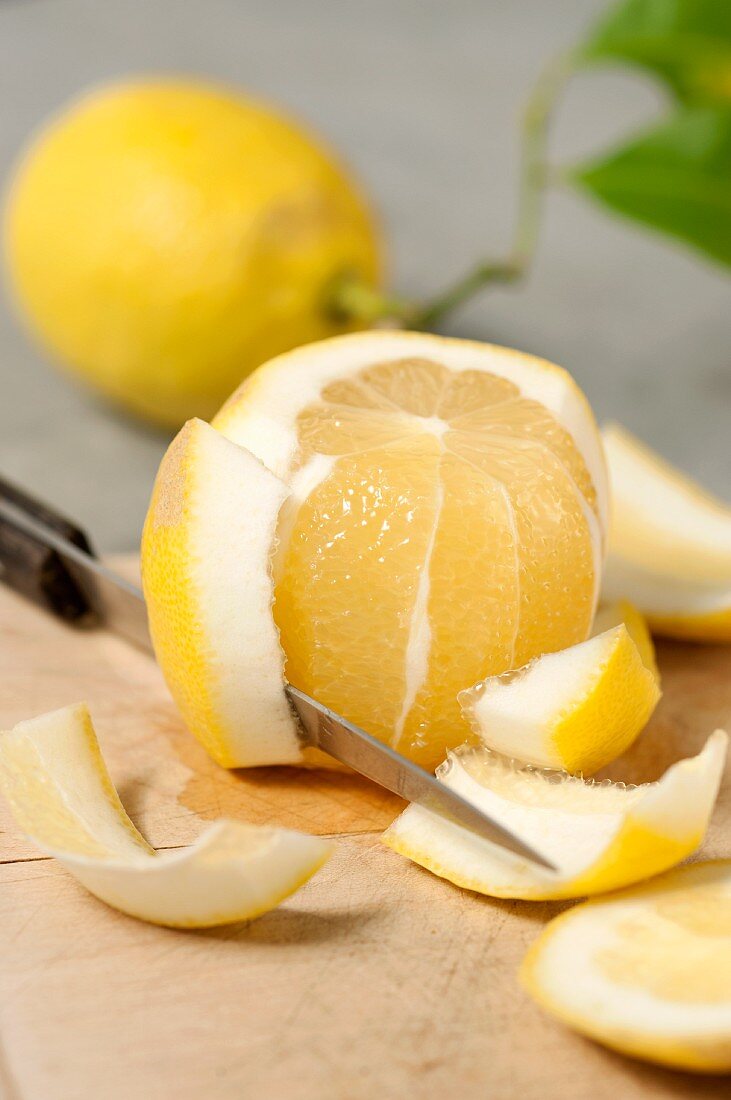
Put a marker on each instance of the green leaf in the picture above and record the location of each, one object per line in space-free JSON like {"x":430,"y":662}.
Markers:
{"x":685,"y":42}
{"x":675,"y":178}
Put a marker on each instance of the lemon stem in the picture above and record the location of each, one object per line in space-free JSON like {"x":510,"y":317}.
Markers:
{"x":351,"y":299}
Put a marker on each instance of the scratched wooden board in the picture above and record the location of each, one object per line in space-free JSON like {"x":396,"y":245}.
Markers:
{"x":376,"y":980}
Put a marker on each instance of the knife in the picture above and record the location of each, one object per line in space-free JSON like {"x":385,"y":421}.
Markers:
{"x":49,"y":559}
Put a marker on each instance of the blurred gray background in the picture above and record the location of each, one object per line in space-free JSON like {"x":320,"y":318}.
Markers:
{"x":422,"y":98}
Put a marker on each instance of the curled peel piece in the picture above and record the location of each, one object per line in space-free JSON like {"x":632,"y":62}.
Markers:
{"x":206,"y":573}
{"x":58,"y":787}
{"x":645,"y":971}
{"x":601,"y":836}
{"x":669,"y":544}
{"x":577,"y":709}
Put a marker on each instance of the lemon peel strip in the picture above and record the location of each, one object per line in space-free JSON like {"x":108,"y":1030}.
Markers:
{"x":646,"y":970}
{"x":577,"y":709}
{"x":669,"y":545}
{"x":602,"y":836}
{"x":207,"y":575}
{"x":56,"y":782}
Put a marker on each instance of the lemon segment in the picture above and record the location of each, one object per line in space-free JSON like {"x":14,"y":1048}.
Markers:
{"x":600,"y":836}
{"x":669,"y":545}
{"x":646,"y":971}
{"x":55,"y":780}
{"x":164,"y":237}
{"x":578,"y":709}
{"x":445,"y":521}
{"x":206,"y":550}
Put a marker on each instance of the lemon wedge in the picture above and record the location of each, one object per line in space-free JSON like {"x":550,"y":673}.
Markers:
{"x":55,"y":780}
{"x":423,"y":513}
{"x":578,"y":709}
{"x":646,"y":971}
{"x":669,"y":545}
{"x":600,"y":835}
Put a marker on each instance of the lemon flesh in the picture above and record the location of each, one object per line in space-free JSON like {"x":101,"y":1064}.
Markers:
{"x":669,"y":546}
{"x":578,"y":709}
{"x":646,"y":971}
{"x":56,"y":782}
{"x":600,"y":836}
{"x":443,"y":524}
{"x":165,"y":237}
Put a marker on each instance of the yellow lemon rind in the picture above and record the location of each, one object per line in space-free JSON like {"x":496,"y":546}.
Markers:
{"x":629,"y":833}
{"x":553,"y":720}
{"x":56,"y":782}
{"x":543,"y":973}
{"x":206,"y":551}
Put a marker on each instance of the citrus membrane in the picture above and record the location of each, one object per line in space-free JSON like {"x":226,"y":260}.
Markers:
{"x":56,"y":782}
{"x":577,"y":709}
{"x":600,"y":835}
{"x":670,"y":544}
{"x":646,"y":971}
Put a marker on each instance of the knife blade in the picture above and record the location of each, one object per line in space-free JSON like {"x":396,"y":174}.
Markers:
{"x":72,"y":583}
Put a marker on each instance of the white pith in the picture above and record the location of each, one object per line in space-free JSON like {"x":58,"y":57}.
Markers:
{"x":678,"y":530}
{"x":565,"y":973}
{"x":518,"y":711}
{"x":573,"y":822}
{"x":236,"y":504}
{"x":416,"y":664}
{"x":670,"y":541}
{"x":232,"y":872}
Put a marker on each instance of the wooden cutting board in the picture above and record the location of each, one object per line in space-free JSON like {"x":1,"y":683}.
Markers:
{"x":377,"y":980}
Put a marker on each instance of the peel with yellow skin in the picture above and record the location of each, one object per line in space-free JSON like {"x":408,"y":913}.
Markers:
{"x":646,"y":971}
{"x":669,"y":544}
{"x":54,"y":778}
{"x":601,"y":836}
{"x":575,"y":710}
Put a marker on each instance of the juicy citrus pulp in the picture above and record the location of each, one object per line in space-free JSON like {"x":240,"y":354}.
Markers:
{"x":55,"y":779}
{"x":646,"y":971}
{"x":444,"y":521}
{"x":601,"y":836}
{"x":164,"y":237}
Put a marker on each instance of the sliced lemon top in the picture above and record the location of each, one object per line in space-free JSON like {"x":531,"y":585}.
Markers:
{"x":647,"y":970}
{"x":445,"y":521}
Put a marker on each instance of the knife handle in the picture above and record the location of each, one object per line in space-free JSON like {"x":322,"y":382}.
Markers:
{"x":35,"y":570}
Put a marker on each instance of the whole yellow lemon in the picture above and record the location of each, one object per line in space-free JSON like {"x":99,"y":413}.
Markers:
{"x":165,"y":237}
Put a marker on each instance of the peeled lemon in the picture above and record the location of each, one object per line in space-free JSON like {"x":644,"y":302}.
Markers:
{"x":166,"y":236}
{"x":434,"y":511}
{"x":646,"y":971}
{"x":578,"y":709}
{"x":54,"y":778}
{"x":670,"y":544}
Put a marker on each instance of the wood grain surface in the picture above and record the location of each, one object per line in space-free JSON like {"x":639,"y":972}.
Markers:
{"x":377,"y":980}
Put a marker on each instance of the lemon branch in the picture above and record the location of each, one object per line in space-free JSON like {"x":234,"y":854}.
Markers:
{"x":351,"y":299}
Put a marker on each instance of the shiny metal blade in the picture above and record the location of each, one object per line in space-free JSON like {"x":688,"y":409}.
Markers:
{"x":359,"y":750}
{"x":114,"y":602}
